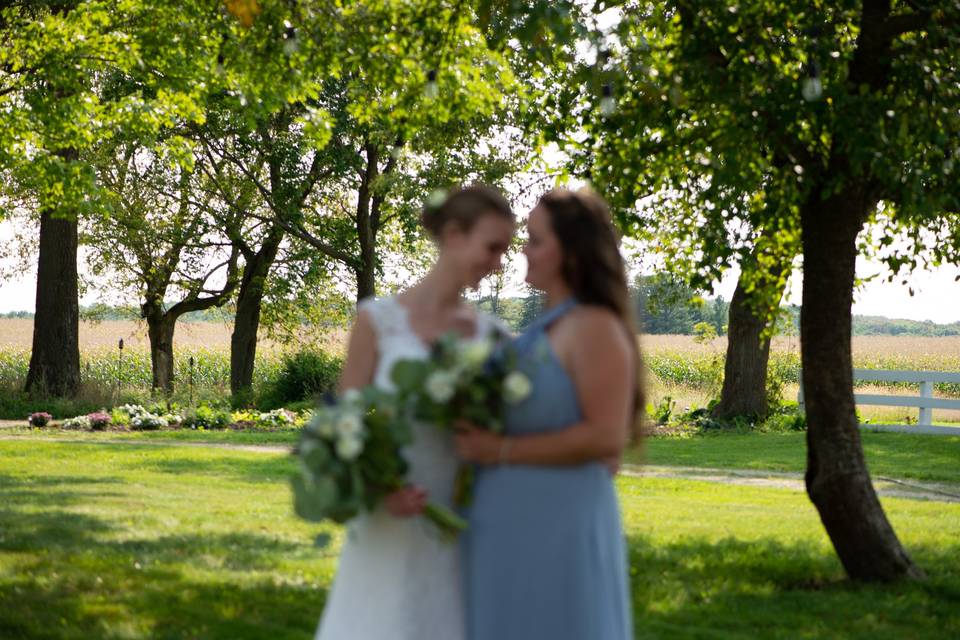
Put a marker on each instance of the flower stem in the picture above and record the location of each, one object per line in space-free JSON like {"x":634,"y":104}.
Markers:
{"x":449,"y":523}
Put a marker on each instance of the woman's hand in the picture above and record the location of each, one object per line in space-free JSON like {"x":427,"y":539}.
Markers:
{"x":406,"y":502}
{"x":613,"y":464}
{"x":478,"y":445}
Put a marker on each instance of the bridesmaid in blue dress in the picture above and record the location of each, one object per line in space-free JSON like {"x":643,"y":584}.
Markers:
{"x":545,"y":555}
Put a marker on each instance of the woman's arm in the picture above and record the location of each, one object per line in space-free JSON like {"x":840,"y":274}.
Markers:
{"x":602,"y":370}
{"x":361,"y":361}
{"x":358,"y":370}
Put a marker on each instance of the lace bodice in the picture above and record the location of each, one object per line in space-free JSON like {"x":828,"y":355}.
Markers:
{"x":397,"y":578}
{"x":432,"y":458}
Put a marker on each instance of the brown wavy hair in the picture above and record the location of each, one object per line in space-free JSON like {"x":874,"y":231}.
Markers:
{"x":593,"y":267}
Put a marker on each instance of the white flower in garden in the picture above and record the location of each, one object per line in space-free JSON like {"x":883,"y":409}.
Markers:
{"x":349,"y":424}
{"x":349,"y":447}
{"x":474,"y":354}
{"x":440,"y":386}
{"x":133,"y":410}
{"x":79,"y":422}
{"x":516,"y":387}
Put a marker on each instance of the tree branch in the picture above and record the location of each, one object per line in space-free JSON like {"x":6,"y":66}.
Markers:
{"x":197,"y":303}
{"x":898,"y":25}
{"x":323,"y":247}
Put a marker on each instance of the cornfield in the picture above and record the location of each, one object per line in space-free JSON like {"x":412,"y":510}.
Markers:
{"x":678,"y":361}
{"x":681,"y":361}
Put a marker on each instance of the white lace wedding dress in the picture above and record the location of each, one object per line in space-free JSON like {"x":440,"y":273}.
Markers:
{"x":397,"y":578}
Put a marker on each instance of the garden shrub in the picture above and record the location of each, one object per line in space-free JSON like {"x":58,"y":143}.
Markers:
{"x":302,"y":376}
{"x":787,"y":417}
{"x":99,"y":420}
{"x":39,"y":419}
{"x":204,"y":417}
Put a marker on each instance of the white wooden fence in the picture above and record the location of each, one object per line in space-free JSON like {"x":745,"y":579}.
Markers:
{"x":925,"y":401}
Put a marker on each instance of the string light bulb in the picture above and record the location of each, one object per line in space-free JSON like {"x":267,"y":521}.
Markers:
{"x":431,"y":90}
{"x":812,"y":88}
{"x":290,"y":43}
{"x":608,"y":105}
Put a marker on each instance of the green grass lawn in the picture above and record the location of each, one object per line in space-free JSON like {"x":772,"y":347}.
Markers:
{"x":285,"y":437}
{"x":137,"y":541}
{"x":898,"y":455}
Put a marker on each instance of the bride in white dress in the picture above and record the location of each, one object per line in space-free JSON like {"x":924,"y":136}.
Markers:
{"x":398,"y":579}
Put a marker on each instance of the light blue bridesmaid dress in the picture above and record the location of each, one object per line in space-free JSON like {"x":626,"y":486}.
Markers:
{"x":545,"y":555}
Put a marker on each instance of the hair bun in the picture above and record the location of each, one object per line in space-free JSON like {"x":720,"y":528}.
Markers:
{"x":463,"y":205}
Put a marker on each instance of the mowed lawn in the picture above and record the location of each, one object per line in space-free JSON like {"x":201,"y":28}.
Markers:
{"x":144,"y":541}
{"x":895,"y":455}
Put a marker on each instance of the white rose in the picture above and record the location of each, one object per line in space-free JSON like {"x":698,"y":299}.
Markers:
{"x":351,"y":396}
{"x":516,"y":387}
{"x":349,"y":447}
{"x":474,"y":354}
{"x":306,"y":447}
{"x":326,"y":430}
{"x":440,"y":386}
{"x":322,"y":423}
{"x":349,"y":425}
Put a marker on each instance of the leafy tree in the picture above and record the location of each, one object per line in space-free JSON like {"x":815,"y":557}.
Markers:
{"x":666,"y":304}
{"x":803,"y":122}
{"x":157,"y":241}
{"x":383,"y":163}
{"x":76,"y":74}
{"x":356,"y":154}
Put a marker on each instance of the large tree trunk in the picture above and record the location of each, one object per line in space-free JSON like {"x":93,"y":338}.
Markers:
{"x":55,"y":356}
{"x":837,"y":479}
{"x":243,"y":340}
{"x":366,"y":281}
{"x":160,"y":328}
{"x":368,"y":221}
{"x":745,"y":369}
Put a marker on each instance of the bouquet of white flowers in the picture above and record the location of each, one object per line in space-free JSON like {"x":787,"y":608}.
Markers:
{"x":463,"y":379}
{"x":349,"y":460}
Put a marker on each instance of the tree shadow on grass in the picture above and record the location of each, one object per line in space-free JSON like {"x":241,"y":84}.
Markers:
{"x":229,"y":551}
{"x":691,"y":588}
{"x":49,"y":529}
{"x":71,"y":581}
{"x":766,"y":589}
{"x":54,"y":490}
{"x":68,"y":534}
{"x":163,"y":605}
{"x":35,"y":515}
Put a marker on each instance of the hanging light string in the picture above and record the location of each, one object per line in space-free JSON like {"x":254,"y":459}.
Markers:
{"x":441,"y":51}
{"x":812,"y":86}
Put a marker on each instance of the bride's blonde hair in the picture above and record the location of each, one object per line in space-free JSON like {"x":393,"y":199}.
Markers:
{"x":464,"y":206}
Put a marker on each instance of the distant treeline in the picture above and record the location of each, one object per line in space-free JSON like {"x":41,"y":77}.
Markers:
{"x":665,"y":306}
{"x":98,"y":312}
{"x":661,"y":308}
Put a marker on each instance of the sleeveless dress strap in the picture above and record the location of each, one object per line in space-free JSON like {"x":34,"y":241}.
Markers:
{"x":535,"y":332}
{"x":552,"y":315}
{"x":386,"y":314}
